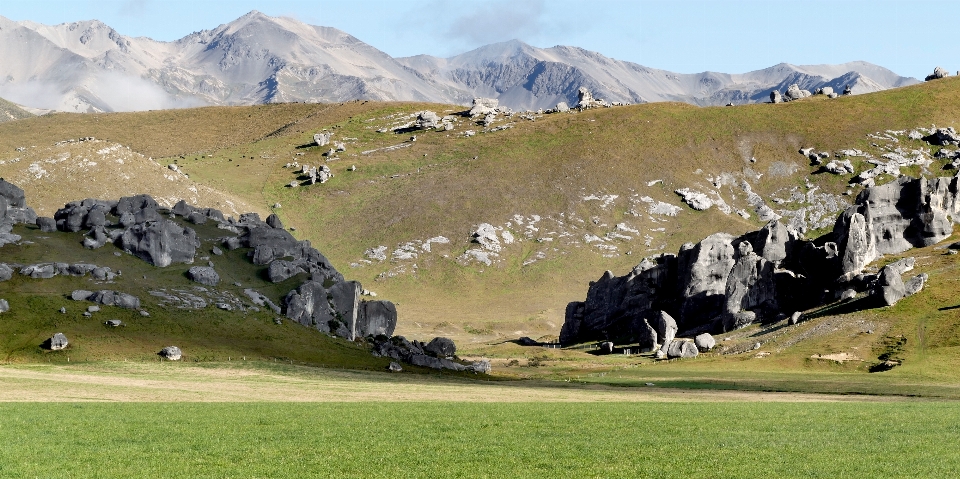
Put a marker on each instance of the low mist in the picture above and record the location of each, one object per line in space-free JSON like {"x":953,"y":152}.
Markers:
{"x":107,"y":91}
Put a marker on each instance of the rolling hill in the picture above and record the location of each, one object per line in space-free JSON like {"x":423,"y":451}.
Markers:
{"x":579,"y":193}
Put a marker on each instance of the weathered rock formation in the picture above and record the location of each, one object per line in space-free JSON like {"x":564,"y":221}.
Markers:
{"x":724,"y":282}
{"x":171,"y":353}
{"x":438,"y":354}
{"x":937,"y":74}
{"x":203,"y":275}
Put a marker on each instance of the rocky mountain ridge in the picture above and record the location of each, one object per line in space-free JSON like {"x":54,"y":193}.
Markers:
{"x":88,"y":67}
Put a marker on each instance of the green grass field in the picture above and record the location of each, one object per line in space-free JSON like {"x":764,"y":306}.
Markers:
{"x":471,"y":440}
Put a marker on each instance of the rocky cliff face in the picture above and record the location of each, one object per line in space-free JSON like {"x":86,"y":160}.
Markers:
{"x":724,"y":282}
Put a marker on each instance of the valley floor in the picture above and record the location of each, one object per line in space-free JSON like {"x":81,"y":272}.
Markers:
{"x":240,"y":381}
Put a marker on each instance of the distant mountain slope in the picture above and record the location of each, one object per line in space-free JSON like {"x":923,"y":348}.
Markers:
{"x":523,"y":76}
{"x":10,"y":111}
{"x":87,"y":66}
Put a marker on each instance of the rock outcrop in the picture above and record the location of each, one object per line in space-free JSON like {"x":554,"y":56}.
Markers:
{"x":419,"y":354}
{"x":338,"y":310}
{"x":724,"y":282}
{"x":937,"y":74}
{"x":203,"y":275}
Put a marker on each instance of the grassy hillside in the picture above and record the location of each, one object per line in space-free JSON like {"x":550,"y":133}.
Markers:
{"x":208,"y":334}
{"x":10,"y":111}
{"x":564,"y":168}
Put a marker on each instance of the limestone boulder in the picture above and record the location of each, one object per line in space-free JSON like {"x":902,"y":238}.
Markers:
{"x":171,"y":353}
{"x":702,"y":272}
{"x":679,"y":348}
{"x":890,"y":288}
{"x":160,"y":243}
{"x":376,"y":318}
{"x":58,"y":342}
{"x":665,"y":326}
{"x":937,"y":74}
{"x":704,"y":342}
{"x":441,"y":347}
{"x":143,"y":208}
{"x":322,"y":139}
{"x":47,"y":224}
{"x":203,"y":275}
{"x":281,"y":270}
{"x":4,"y":306}
{"x":483,"y":106}
{"x":114,"y":298}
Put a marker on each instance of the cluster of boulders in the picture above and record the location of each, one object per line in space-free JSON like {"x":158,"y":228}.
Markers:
{"x":428,"y":120}
{"x":439,"y":353}
{"x":313,"y":174}
{"x":724,"y":282}
{"x":139,"y":226}
{"x":795,"y":93}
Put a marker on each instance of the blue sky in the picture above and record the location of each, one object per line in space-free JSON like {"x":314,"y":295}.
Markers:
{"x":909,"y":37}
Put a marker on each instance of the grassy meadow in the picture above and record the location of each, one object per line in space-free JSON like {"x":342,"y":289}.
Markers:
{"x":463,"y":439}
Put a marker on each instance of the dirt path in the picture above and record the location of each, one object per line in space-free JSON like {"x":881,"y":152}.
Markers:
{"x":166,"y":382}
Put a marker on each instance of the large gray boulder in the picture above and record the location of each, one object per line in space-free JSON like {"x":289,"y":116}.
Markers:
{"x":775,"y":241}
{"x":203,"y":275}
{"x":427,"y":120}
{"x":704,"y":342}
{"x":376,"y":318}
{"x":6,"y":272}
{"x":484,"y":106}
{"x":679,"y":348}
{"x":751,"y":286}
{"x":344,"y":297}
{"x":273,"y":221}
{"x":890,"y":288}
{"x":937,"y":74}
{"x":161,"y":243}
{"x":171,"y":353}
{"x":665,"y":326}
{"x":13,"y":205}
{"x":58,"y":342}
{"x":441,"y":347}
{"x":308,"y":305}
{"x":111,"y":298}
{"x":702,"y":273}
{"x":776,"y":97}
{"x":47,"y":224}
{"x":795,"y":93}
{"x":915,"y":284}
{"x":322,"y":139}
{"x":39,"y":271}
{"x":281,"y":270}
{"x":142,"y":207}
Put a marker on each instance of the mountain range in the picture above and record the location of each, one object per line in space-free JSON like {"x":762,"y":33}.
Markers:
{"x":88,"y":67}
